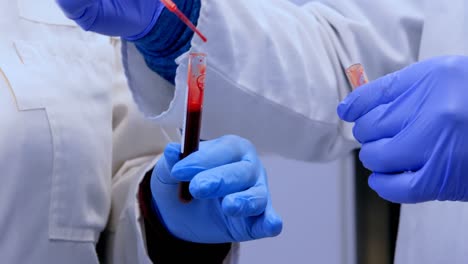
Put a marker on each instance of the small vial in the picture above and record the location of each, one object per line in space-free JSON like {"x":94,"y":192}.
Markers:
{"x":356,"y":75}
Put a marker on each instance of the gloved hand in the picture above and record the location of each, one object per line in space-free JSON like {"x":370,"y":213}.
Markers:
{"x":413,"y":126}
{"x":231,"y":197}
{"x":131,"y":19}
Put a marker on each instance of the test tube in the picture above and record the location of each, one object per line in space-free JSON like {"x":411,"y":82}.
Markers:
{"x":193,"y":113}
{"x":356,"y":75}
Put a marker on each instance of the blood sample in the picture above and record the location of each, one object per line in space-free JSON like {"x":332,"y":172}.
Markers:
{"x":356,"y":75}
{"x":193,"y":113}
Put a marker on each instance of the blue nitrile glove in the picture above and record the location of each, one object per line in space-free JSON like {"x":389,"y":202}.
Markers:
{"x":131,"y":19}
{"x":413,"y":126}
{"x":231,"y":197}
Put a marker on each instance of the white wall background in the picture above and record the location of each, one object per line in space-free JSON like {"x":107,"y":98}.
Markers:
{"x":316,"y":203}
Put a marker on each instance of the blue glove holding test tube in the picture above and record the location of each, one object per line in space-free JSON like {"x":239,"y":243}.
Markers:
{"x":413,"y":126}
{"x":231,"y":197}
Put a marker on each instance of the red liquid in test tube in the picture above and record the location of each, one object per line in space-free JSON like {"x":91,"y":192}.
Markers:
{"x":193,"y":116}
{"x":356,"y":75}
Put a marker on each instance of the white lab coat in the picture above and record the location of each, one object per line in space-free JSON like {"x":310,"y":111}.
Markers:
{"x":276,"y":74}
{"x":74,"y":146}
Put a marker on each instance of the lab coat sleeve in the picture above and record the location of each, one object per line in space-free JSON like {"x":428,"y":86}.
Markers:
{"x":276,"y":70}
{"x":124,"y":237}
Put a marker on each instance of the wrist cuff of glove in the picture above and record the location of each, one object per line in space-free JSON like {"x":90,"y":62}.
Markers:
{"x":164,"y":247}
{"x":168,"y":39}
{"x":154,"y":20}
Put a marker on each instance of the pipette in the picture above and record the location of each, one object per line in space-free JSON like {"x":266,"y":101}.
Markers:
{"x":171,"y":6}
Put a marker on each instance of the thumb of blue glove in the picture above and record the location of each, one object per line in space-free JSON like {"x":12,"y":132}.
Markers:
{"x":231,"y":197}
{"x":131,"y":19}
{"x":413,"y":126}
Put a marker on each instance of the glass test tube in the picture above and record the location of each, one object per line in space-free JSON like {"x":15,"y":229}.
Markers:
{"x":356,"y":75}
{"x":193,"y":113}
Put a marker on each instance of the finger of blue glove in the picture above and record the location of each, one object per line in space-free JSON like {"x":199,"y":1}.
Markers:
{"x":393,"y":155}
{"x":224,"y":180}
{"x":381,"y":122}
{"x":398,"y":188}
{"x":143,"y":14}
{"x":128,"y":19}
{"x":165,"y":164}
{"x":268,"y":224}
{"x":251,"y":202}
{"x":367,"y":97}
{"x":212,"y":154}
